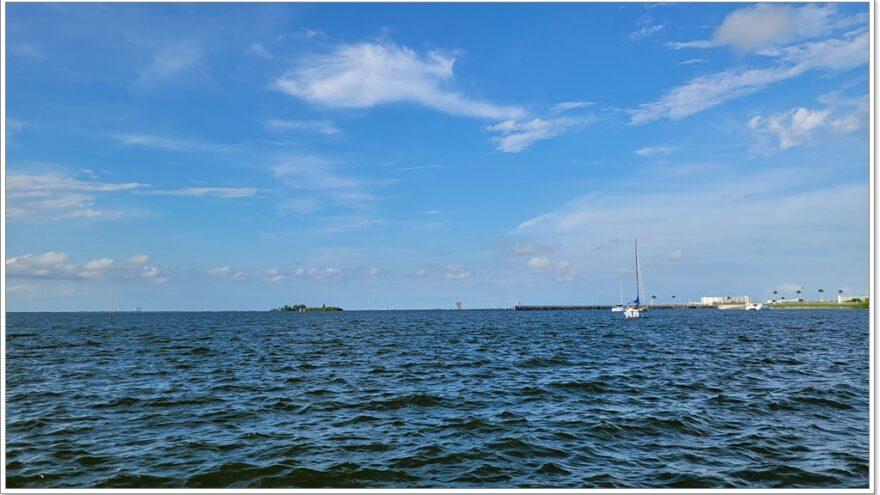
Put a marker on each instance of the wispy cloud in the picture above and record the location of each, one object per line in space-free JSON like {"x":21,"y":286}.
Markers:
{"x":322,"y":181}
{"x":170,"y":144}
{"x":692,"y":61}
{"x":515,"y":136}
{"x":653,"y":151}
{"x":364,"y":75}
{"x":571,"y":105}
{"x":219,"y":192}
{"x":54,"y":196}
{"x":420,"y":167}
{"x":769,"y":30}
{"x":167,"y":61}
{"x":646,"y":29}
{"x":321,"y":126}
{"x":705,"y":92}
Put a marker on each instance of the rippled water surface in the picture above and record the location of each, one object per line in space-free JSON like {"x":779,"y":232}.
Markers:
{"x":438,"y":399}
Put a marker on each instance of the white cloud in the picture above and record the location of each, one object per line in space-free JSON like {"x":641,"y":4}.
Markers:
{"x":273,"y":275}
{"x":653,"y":151}
{"x":364,"y":75}
{"x":138,"y":259}
{"x":219,"y":192}
{"x":540,"y":262}
{"x":799,"y":125}
{"x":762,"y":26}
{"x":319,"y":274}
{"x":453,"y":271}
{"x":560,"y":270}
{"x":372,"y":271}
{"x":55,"y":265}
{"x":54,"y":196}
{"x":515,"y":136}
{"x":791,"y":128}
{"x":321,"y":126}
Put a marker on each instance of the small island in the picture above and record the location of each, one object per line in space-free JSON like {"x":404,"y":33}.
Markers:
{"x":302,"y":308}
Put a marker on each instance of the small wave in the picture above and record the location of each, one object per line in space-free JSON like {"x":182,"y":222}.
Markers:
{"x":587,"y":386}
{"x":120,"y":402}
{"x":136,"y":481}
{"x":538,"y":362}
{"x":346,"y":475}
{"x":550,"y":468}
{"x":412,"y":400}
{"x":520,"y":448}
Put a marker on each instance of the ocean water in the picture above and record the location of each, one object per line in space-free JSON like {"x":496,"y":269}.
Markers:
{"x":475,"y":399}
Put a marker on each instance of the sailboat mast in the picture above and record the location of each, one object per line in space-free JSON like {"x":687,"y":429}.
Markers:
{"x":638,"y":282}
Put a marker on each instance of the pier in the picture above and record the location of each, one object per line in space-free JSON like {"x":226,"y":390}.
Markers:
{"x":606,"y":307}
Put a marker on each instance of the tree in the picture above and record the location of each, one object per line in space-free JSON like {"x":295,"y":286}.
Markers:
{"x":821,"y":292}
{"x":774,"y":294}
{"x":653,"y":298}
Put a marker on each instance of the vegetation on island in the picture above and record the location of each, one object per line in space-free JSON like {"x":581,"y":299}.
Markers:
{"x":854,"y":304}
{"x":302,"y":308}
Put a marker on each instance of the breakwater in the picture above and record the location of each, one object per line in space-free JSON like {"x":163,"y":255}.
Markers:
{"x":604,"y":307}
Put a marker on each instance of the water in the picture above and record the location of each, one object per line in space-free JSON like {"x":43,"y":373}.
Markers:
{"x":438,"y":399}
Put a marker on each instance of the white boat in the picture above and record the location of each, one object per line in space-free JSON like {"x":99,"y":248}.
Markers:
{"x":619,"y":307}
{"x":634,"y":310}
{"x":754,"y":306}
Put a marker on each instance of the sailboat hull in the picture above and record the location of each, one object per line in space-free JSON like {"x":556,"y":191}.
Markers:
{"x":632,"y":313}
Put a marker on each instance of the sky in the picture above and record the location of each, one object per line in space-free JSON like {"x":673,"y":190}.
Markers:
{"x":415,"y":155}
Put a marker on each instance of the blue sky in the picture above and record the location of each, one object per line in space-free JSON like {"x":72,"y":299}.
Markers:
{"x":411,"y":156}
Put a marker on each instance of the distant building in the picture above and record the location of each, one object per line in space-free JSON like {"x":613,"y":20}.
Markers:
{"x":846,"y":299}
{"x":712,"y":300}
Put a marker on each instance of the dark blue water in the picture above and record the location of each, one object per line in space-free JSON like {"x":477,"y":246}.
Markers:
{"x":438,"y":399}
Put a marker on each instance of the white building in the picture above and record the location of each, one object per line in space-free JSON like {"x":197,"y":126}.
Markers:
{"x":845,"y":299}
{"x":712,"y":300}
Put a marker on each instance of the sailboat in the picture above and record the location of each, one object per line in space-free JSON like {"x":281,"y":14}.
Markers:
{"x":634,"y":309}
{"x":619,"y":307}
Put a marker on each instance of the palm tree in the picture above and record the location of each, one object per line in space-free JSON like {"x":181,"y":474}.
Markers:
{"x":774,"y":295}
{"x":821,"y":292}
{"x":653,"y":298}
{"x":798,"y":292}
{"x":839,"y":293}
{"x":673,"y":299}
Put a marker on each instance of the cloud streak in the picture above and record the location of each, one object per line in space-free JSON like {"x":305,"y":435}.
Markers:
{"x":365,"y":75}
{"x":54,"y":196}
